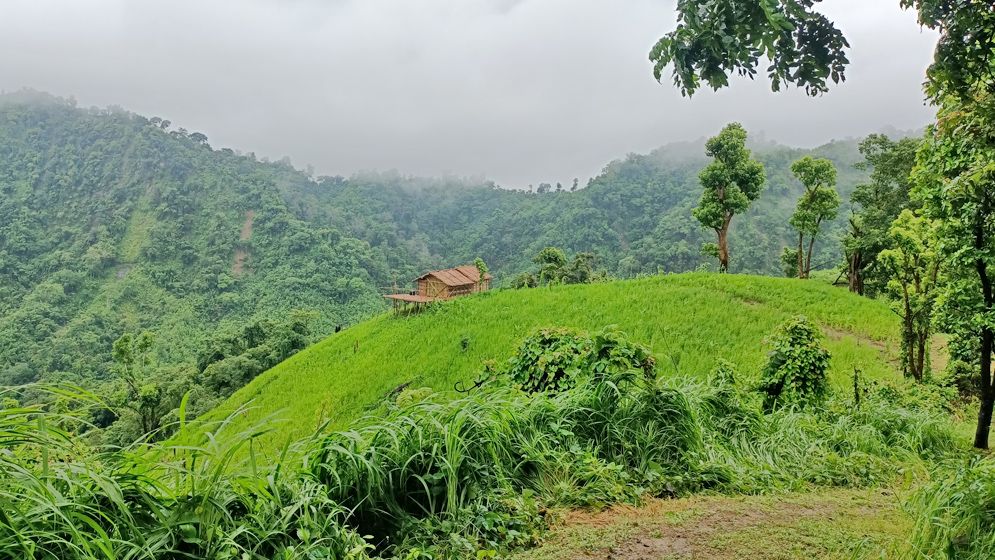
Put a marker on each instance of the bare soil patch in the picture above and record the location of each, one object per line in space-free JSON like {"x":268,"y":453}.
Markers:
{"x":246,"y":232}
{"x":826,"y":525}
{"x":241,"y":255}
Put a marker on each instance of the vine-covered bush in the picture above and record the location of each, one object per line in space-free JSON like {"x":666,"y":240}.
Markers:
{"x":797,"y":366}
{"x":555,"y":359}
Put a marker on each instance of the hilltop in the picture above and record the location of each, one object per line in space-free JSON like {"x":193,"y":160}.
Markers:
{"x":689,"y":321}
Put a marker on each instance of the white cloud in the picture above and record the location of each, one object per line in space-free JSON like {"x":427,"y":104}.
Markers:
{"x":521,"y":90}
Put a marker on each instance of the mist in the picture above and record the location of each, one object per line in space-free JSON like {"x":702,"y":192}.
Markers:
{"x":520,"y":91}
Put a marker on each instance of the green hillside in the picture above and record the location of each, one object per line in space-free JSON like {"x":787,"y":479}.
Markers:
{"x":110,"y":222}
{"x":689,"y":321}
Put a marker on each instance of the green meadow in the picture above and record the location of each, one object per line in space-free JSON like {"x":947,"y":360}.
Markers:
{"x":688,"y":321}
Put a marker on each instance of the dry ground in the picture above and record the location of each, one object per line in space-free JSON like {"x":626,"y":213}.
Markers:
{"x":836,"y":524}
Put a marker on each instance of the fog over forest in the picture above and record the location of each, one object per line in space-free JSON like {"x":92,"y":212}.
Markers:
{"x":521,"y":91}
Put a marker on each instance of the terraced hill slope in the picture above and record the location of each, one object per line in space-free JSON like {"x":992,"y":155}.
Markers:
{"x":689,"y":321}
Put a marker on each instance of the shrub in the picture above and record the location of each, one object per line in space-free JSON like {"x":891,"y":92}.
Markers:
{"x":795,"y":374}
{"x":552,"y":360}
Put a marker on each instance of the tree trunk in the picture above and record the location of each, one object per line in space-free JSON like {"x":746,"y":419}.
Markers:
{"x":987,"y":336}
{"x":801,"y":257}
{"x":908,"y":343}
{"x":808,"y":258}
{"x":855,"y":274}
{"x":987,"y":393}
{"x":919,"y":367}
{"x":922,"y":359}
{"x":723,"y":248}
{"x":723,"y":233}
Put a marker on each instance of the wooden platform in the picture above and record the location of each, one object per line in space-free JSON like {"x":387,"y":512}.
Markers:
{"x":410,"y":303}
{"x":410,"y":298}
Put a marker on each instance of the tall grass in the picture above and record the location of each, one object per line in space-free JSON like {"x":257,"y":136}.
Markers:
{"x":840,"y":444}
{"x":61,"y":500}
{"x":955,"y":513}
{"x":439,"y":458}
{"x":434,"y":477}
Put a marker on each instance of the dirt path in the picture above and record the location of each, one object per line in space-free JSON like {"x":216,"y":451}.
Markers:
{"x":241,"y":255}
{"x":246,"y":232}
{"x":832,"y":524}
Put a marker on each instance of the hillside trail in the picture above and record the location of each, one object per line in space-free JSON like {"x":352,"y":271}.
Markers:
{"x":834,"y":524}
{"x":241,"y":255}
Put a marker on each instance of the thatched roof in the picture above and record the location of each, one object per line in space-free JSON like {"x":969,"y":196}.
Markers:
{"x":459,"y":276}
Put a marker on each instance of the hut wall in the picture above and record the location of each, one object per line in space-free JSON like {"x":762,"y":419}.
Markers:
{"x":432,"y":287}
{"x":462,"y":290}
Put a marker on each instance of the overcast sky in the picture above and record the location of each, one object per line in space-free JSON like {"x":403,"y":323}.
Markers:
{"x":521,"y":91}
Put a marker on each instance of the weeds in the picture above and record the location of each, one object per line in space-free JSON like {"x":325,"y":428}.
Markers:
{"x":955,"y":513}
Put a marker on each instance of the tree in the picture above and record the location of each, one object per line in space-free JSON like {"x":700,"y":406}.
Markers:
{"x":555,"y":268}
{"x":913,"y":264}
{"x":133,"y":359}
{"x":198,"y":138}
{"x":818,"y":204}
{"x":552,"y":264}
{"x":877,"y":204}
{"x":481,"y":267}
{"x":716,"y":37}
{"x":581,"y":269}
{"x":525,"y":280}
{"x":713,"y":39}
{"x":731,"y":183}
{"x":955,"y":180}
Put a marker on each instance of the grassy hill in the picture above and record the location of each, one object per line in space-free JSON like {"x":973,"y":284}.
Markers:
{"x":689,"y":321}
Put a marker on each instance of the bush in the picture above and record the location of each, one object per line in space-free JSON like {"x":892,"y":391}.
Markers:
{"x":795,"y":374}
{"x":552,"y":360}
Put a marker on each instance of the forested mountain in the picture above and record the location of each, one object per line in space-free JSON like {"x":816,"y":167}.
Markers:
{"x":635,"y":215}
{"x":111,"y":222}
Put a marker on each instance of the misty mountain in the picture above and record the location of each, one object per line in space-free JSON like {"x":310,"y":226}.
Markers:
{"x":111,"y":222}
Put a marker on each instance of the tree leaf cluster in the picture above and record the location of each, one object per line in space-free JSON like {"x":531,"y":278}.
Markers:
{"x":716,"y":39}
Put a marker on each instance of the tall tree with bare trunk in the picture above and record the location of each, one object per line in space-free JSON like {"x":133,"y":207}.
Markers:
{"x":819,"y":203}
{"x":731,"y":183}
